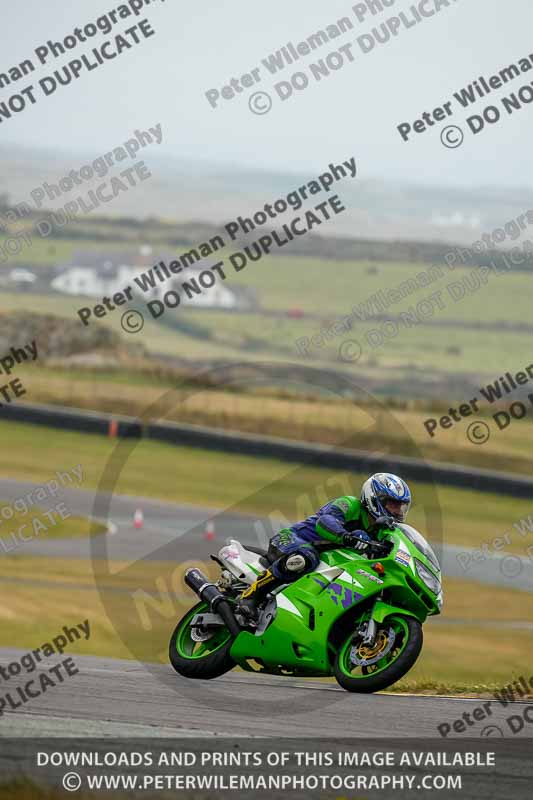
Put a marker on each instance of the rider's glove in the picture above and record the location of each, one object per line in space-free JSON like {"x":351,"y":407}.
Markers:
{"x":358,"y":540}
{"x":385,"y":522}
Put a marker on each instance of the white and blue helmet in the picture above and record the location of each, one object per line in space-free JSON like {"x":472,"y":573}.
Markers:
{"x":384,"y":489}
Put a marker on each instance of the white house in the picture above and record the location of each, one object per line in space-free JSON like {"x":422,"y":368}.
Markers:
{"x":87,"y":282}
{"x":94,"y":275}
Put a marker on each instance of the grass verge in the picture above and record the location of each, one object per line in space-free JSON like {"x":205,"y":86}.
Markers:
{"x":336,"y":421}
{"x":45,"y":524}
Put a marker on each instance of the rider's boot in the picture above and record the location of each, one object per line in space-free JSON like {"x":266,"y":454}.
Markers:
{"x":251,"y":598}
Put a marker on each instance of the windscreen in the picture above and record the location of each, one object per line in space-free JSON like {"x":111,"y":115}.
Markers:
{"x":421,"y":544}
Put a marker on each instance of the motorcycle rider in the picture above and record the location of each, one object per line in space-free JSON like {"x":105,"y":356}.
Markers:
{"x":347,"y":521}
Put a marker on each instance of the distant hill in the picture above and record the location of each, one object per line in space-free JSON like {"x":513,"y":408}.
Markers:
{"x":163,"y":235}
{"x":214,"y":193}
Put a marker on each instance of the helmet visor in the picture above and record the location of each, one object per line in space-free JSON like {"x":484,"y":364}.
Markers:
{"x":396,"y":509}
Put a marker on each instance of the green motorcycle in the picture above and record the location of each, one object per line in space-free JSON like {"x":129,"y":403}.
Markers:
{"x":356,"y":617}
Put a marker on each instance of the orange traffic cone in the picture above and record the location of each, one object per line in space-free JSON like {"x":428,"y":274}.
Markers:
{"x":209,"y":534}
{"x":138,"y":519}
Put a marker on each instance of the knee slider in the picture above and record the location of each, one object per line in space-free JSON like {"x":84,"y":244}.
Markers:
{"x":304,"y":559}
{"x":295,"y":563}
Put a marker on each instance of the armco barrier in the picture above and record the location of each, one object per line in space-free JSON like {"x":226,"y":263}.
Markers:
{"x":71,"y":419}
{"x":269,"y":447}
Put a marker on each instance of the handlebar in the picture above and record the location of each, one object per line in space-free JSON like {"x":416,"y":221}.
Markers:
{"x":377,"y":546}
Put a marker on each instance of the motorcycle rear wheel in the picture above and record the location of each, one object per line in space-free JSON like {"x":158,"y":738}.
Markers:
{"x":389,"y":669}
{"x":203,"y":660}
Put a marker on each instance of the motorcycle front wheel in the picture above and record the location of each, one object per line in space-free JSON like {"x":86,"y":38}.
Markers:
{"x":200,"y":654}
{"x":360,"y":668}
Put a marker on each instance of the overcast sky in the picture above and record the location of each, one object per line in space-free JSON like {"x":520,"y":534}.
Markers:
{"x":199,"y":46}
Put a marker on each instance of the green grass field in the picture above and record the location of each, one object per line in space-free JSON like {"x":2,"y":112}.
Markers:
{"x":426,"y":355}
{"x":49,"y":251}
{"x":339,"y":285}
{"x":45,"y":525}
{"x":423,"y":351}
{"x":280,"y":278}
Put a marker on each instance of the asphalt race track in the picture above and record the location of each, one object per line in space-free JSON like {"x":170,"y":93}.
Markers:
{"x":123,"y":698}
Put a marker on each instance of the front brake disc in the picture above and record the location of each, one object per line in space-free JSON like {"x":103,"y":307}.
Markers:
{"x":201,"y":634}
{"x":373,"y":655}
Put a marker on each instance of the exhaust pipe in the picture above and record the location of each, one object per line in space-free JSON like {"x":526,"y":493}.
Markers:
{"x":211,"y":594}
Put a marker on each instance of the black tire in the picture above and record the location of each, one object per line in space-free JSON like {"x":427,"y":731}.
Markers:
{"x":398,"y":668}
{"x":211,"y":665}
